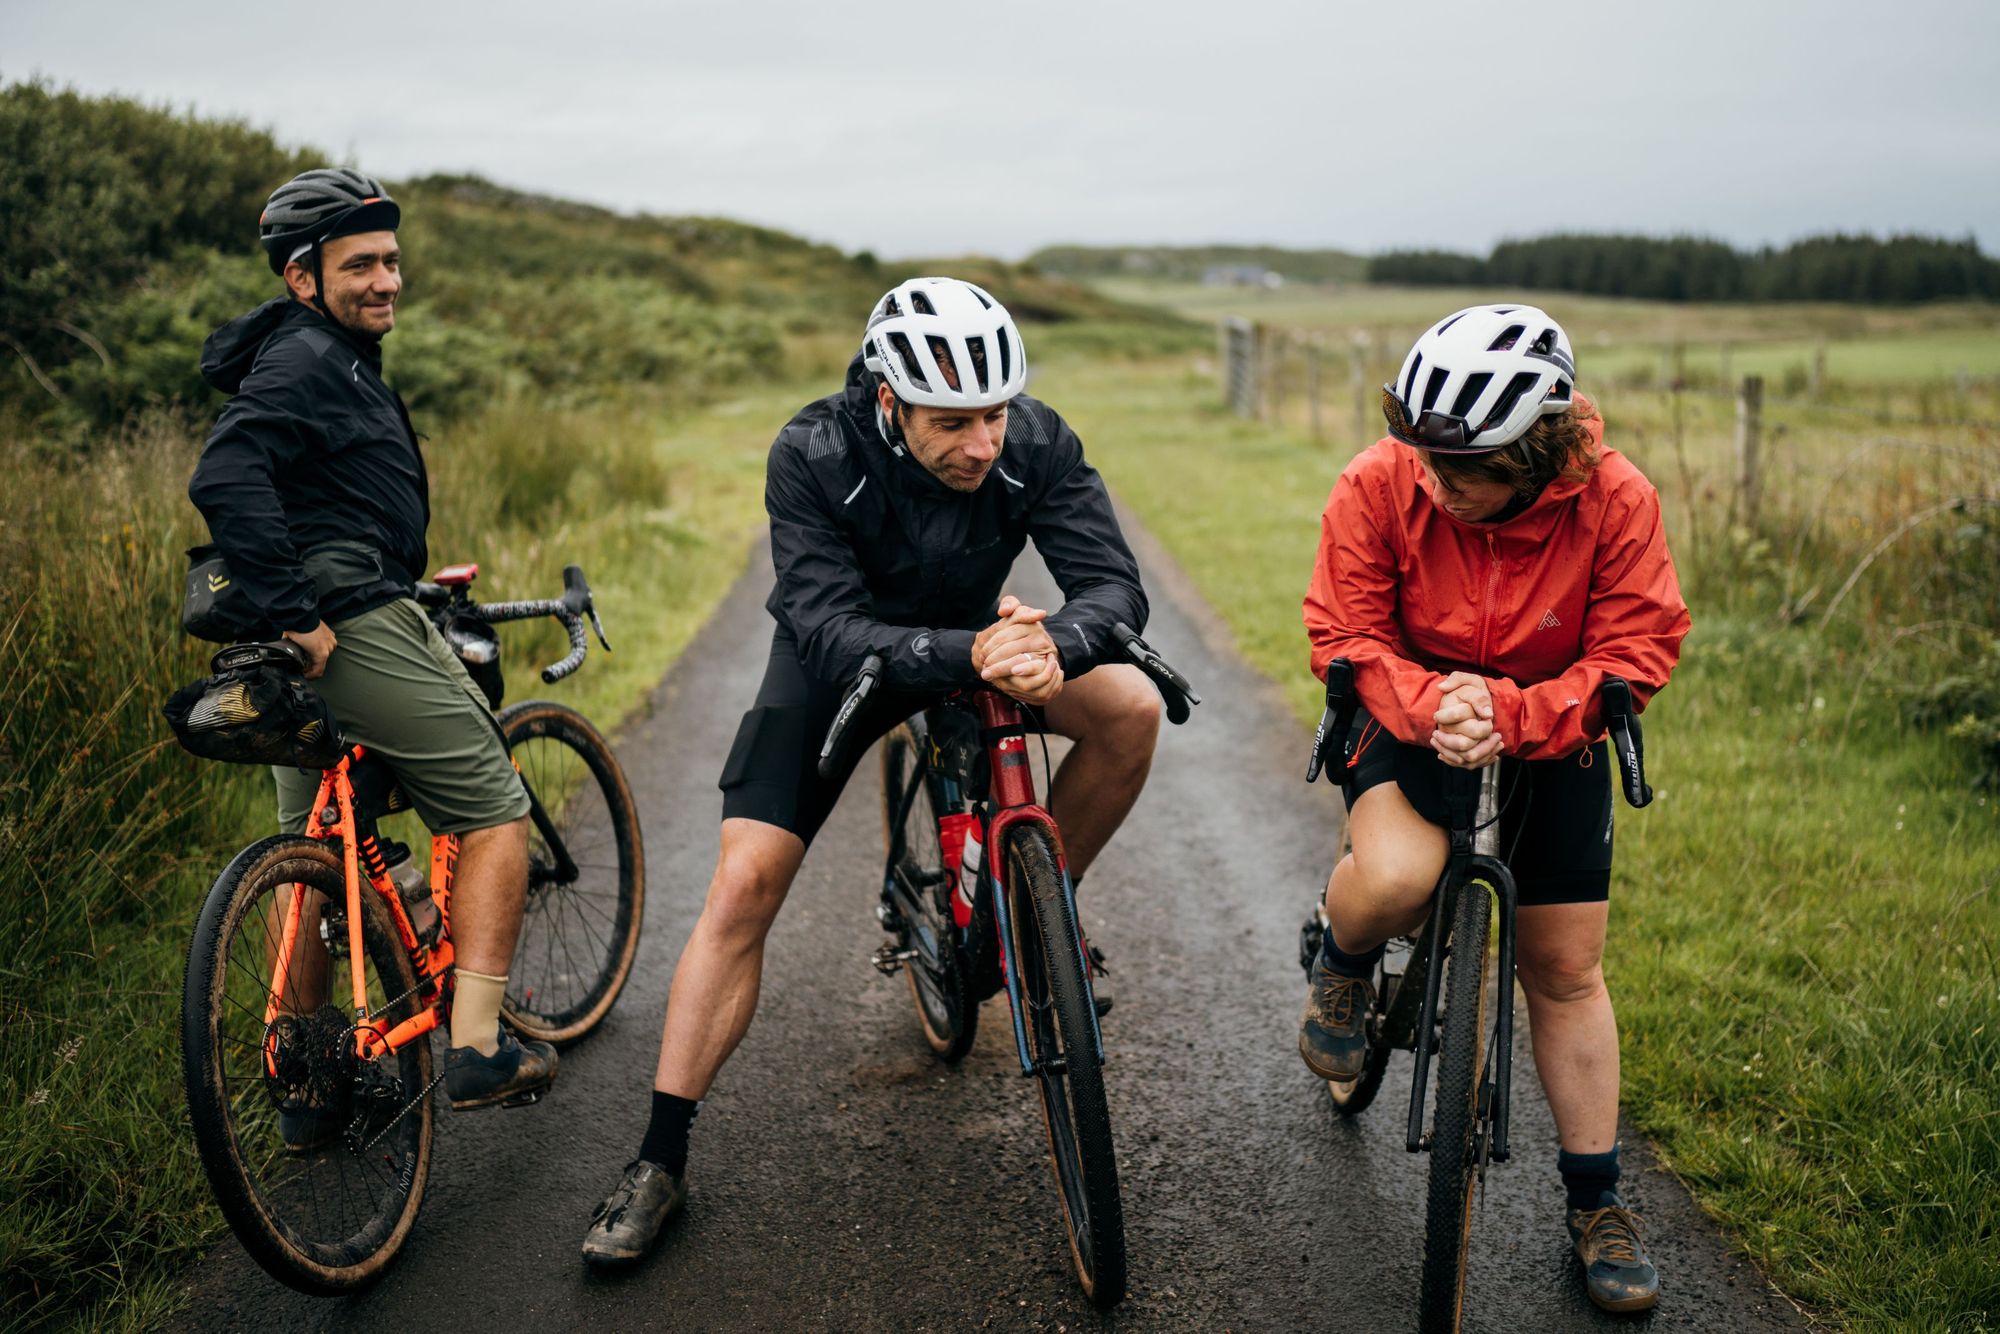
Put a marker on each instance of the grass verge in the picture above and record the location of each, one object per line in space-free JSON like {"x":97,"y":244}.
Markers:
{"x":1805,"y":942}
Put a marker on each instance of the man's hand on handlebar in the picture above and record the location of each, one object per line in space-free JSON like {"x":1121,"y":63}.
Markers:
{"x":318,"y":644}
{"x":1463,"y":734}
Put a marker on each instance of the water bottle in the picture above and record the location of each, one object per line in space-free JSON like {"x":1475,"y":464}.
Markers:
{"x":415,"y":891}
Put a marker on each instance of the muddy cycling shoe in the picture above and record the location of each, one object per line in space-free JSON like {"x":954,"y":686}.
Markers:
{"x":515,"y":1075}
{"x":1100,"y":980}
{"x":1333,"y":1032}
{"x":626,"y":1224}
{"x":1616,"y":1272}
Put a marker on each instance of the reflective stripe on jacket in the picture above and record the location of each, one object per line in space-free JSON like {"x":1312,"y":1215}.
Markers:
{"x":1575,"y":588}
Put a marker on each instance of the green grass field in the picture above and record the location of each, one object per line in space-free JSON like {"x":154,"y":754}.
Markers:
{"x":1805,"y":946}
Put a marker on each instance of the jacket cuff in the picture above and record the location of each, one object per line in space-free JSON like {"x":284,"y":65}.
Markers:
{"x":1507,"y":708}
{"x":954,"y":652}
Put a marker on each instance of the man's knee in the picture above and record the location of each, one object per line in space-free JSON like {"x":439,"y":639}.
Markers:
{"x":1394,"y":877}
{"x":750,"y":884}
{"x":1124,"y":707}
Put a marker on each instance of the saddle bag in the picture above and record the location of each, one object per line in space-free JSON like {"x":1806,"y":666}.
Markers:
{"x":256,"y":708}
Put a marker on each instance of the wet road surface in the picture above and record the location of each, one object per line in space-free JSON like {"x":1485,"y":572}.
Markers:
{"x":841,"y":1178}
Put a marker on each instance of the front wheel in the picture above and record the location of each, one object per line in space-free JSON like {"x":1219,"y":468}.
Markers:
{"x":1061,"y":1029}
{"x":1455,"y":1129}
{"x":580,"y":925}
{"x":317,"y":1157}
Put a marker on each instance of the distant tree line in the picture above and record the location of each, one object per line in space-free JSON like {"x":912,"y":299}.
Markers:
{"x":1689,"y":268}
{"x":1190,"y":263}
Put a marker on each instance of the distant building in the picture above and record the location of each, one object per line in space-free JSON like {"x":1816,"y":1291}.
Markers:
{"x":1242,"y":275}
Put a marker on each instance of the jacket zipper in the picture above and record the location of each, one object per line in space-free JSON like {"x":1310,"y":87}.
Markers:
{"x":1486,"y":611}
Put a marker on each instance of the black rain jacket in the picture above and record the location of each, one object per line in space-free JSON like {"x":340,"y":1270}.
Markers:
{"x":874,"y":555}
{"x":313,"y":449}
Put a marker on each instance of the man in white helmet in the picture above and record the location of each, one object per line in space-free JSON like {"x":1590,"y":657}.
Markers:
{"x":897,"y":508}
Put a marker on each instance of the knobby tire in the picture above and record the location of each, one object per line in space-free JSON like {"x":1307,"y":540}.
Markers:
{"x":578,"y":939}
{"x":329,"y":1220}
{"x":1454,"y":1128}
{"x":1059,"y":1023}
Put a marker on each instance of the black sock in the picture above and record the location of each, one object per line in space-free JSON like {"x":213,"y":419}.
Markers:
{"x":1590,"y":1179}
{"x":1339,"y":961}
{"x":666,"y":1142}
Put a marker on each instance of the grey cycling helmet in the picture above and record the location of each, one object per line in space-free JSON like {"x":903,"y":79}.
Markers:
{"x":1478,"y":379}
{"x":317,"y":206}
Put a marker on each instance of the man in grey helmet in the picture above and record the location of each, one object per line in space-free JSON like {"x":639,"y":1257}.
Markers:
{"x":315,"y":492}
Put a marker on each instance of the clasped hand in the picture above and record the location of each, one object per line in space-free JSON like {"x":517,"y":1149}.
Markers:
{"x":1462,"y":732}
{"x":1015,"y":655}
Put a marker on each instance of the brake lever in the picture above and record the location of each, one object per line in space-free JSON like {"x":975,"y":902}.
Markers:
{"x":590,"y":609}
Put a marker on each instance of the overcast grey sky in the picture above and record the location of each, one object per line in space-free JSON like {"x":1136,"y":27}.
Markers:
{"x":1003,"y":125}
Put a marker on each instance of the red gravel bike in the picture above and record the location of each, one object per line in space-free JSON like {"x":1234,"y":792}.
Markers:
{"x":976,"y":898}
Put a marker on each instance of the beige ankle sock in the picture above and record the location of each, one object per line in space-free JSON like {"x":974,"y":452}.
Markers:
{"x":475,"y":1011}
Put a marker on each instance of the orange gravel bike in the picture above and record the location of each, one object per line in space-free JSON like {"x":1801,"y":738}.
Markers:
{"x":321,"y":964}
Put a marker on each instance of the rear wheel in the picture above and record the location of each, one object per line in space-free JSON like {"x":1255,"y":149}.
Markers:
{"x":580,"y":930}
{"x":317,"y":1158}
{"x":940,"y":984}
{"x":1455,"y":1129}
{"x":1061,"y":1030}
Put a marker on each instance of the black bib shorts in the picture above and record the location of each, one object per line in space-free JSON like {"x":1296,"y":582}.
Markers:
{"x":1555,"y":815}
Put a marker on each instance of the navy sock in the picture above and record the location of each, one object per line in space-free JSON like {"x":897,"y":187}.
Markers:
{"x":1339,"y":961}
{"x":666,"y":1141}
{"x":1590,"y":1179}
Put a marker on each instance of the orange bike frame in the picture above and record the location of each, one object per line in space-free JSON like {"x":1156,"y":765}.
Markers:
{"x":433,"y":964}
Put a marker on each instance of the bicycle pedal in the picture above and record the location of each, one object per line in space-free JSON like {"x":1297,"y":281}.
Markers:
{"x":888,"y":960}
{"x":527,"y":1099}
{"x":891,"y":920}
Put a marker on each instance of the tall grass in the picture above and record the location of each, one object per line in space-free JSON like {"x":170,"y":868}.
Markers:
{"x":1805,"y":941}
{"x":110,"y":835}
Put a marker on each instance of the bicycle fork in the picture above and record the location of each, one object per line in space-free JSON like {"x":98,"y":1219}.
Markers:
{"x":1472,"y":872}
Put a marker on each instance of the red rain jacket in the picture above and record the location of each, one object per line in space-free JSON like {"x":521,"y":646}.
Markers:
{"x":1575,"y":588}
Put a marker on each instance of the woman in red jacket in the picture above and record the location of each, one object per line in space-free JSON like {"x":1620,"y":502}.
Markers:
{"x":1485,"y":568}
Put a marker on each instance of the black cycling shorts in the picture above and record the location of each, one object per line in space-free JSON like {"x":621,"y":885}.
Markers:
{"x":1555,"y":815}
{"x":773,"y":770}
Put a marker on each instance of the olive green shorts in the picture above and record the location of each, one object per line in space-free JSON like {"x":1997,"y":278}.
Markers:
{"x":399,"y":690}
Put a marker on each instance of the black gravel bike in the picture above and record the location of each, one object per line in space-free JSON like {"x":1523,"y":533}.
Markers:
{"x":976,"y":898}
{"x":322,"y":963}
{"x":1431,"y":992}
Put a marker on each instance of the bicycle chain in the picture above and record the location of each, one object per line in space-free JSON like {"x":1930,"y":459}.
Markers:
{"x":396,"y":1120}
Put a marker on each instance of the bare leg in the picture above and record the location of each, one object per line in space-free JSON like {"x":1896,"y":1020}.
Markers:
{"x":1113,"y":715}
{"x":721,"y":969}
{"x":1383,"y":887}
{"x":1560,"y":952}
{"x":487,"y":896}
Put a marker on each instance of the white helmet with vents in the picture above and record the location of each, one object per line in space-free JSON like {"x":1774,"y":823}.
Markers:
{"x":1480,"y":378}
{"x":945,"y":343}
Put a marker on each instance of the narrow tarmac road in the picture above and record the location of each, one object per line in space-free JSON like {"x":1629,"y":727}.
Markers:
{"x":843,"y":1179}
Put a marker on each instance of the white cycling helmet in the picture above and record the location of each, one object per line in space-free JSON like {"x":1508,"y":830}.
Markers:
{"x":1478,"y":380}
{"x":916,"y":321}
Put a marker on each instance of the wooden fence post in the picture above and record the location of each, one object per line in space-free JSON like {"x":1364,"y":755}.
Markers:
{"x":1312,"y":388}
{"x":1749,"y":430}
{"x":1357,"y":379}
{"x":1818,"y":381}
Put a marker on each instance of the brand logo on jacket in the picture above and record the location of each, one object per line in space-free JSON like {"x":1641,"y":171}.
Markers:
{"x":1549,"y":621}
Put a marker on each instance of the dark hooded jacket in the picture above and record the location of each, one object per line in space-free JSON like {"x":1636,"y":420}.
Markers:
{"x":874,"y":555}
{"x":311,"y":482}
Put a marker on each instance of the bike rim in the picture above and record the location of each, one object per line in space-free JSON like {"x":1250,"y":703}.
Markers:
{"x":336,"y":1192}
{"x":572,"y":933}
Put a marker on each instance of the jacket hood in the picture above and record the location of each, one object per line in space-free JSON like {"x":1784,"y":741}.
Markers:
{"x":228,"y":354}
{"x":1555,"y":493}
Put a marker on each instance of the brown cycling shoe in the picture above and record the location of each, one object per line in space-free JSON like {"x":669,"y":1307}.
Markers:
{"x":516,"y":1074}
{"x":1333,"y":1032}
{"x":1616,"y":1272}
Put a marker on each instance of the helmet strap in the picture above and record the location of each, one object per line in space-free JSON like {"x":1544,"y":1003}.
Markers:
{"x":319,"y":286}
